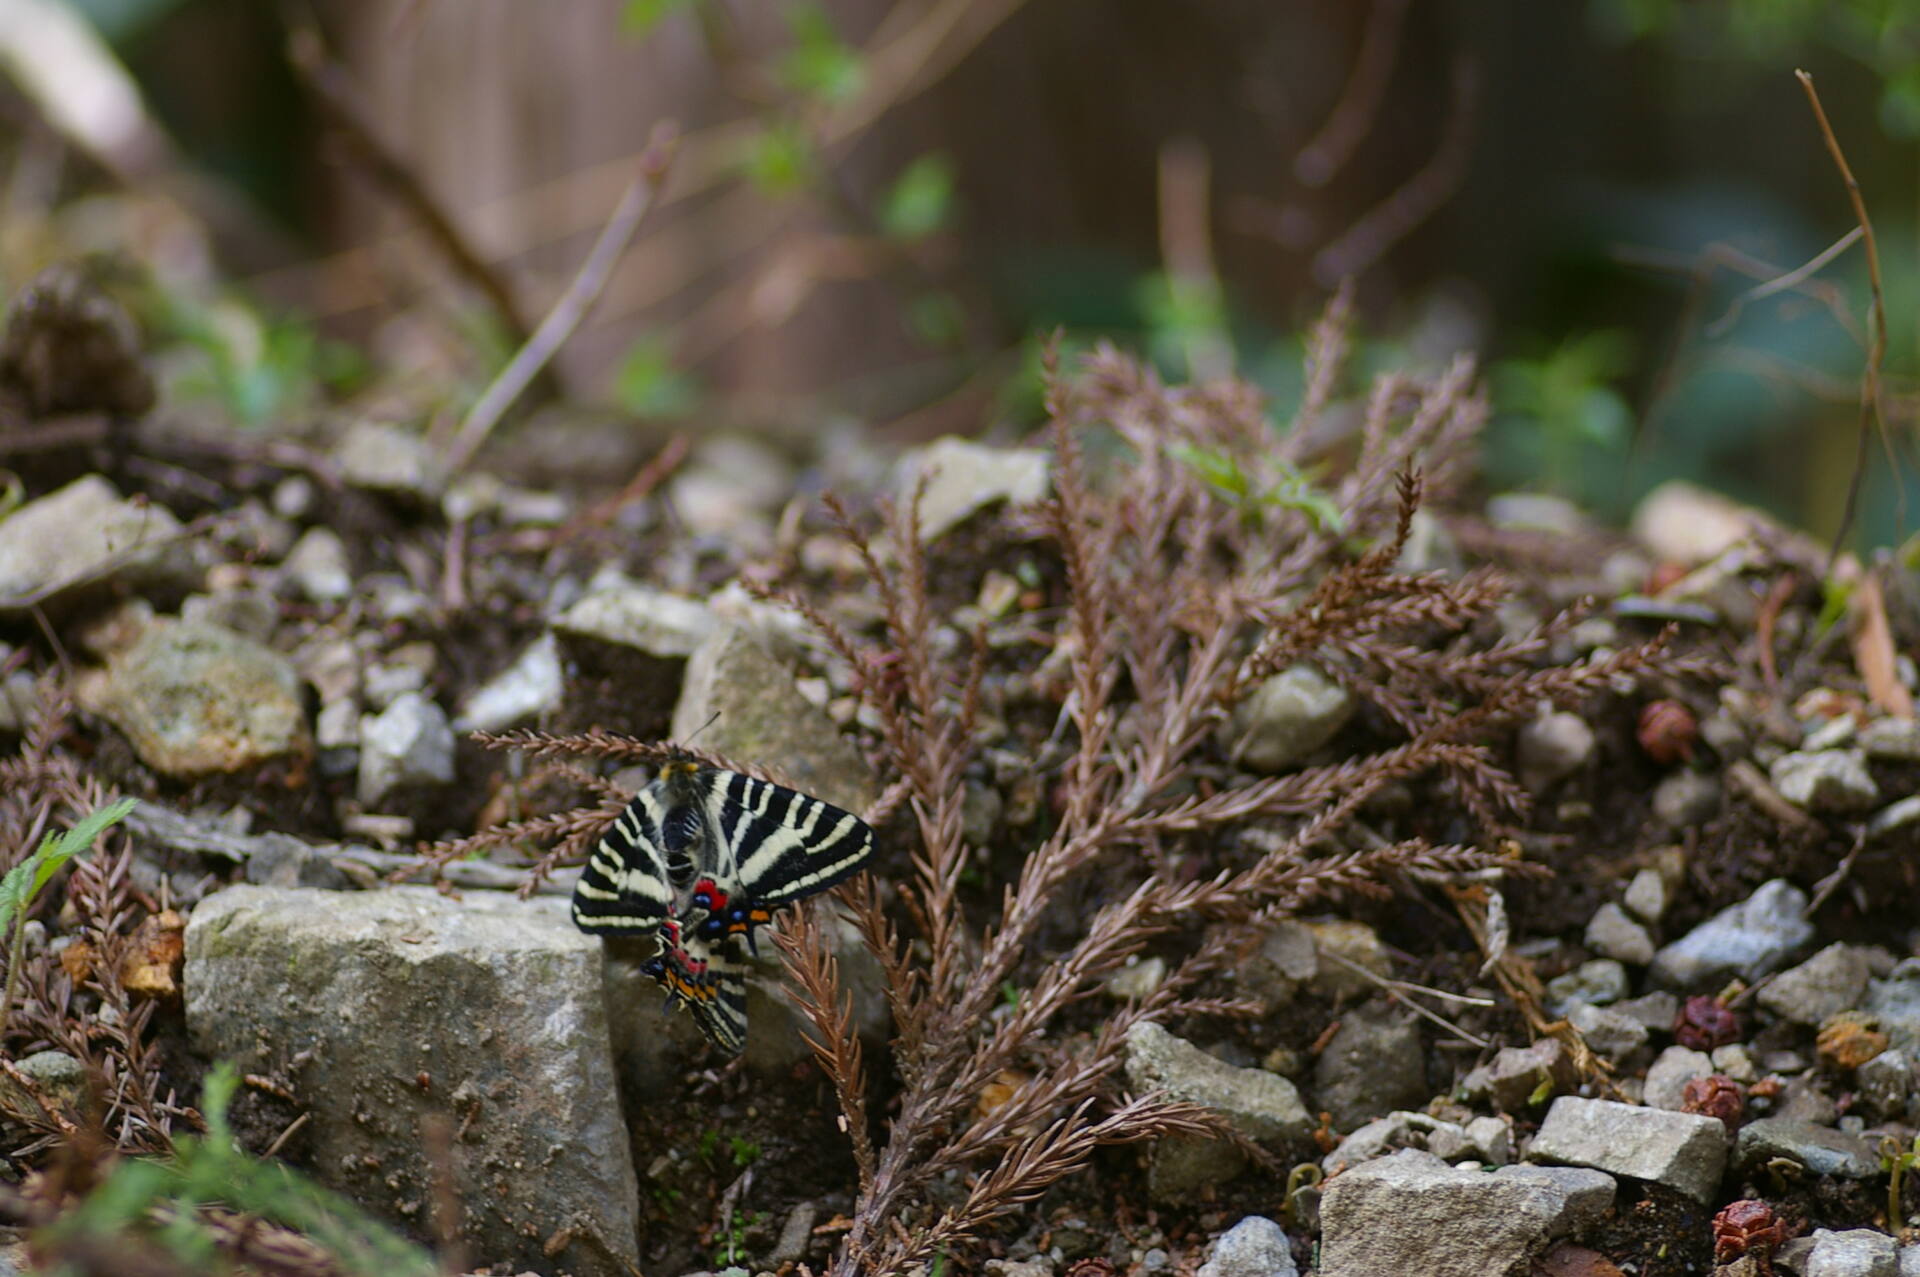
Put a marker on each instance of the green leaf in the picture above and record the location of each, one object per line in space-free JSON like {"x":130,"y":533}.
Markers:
{"x":650,"y":385}
{"x":24,"y":882}
{"x":937,"y":318}
{"x":1214,"y":468}
{"x":821,"y":65}
{"x":640,"y":17}
{"x":779,"y":159}
{"x":921,"y":199}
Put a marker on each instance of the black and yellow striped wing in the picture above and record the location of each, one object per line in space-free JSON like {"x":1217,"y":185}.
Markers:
{"x":710,"y":983}
{"x":624,"y":889}
{"x":778,"y":846}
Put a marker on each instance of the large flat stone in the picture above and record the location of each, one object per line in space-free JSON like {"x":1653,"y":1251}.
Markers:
{"x":1412,"y":1213}
{"x":390,"y":1009}
{"x":1684,"y":1151}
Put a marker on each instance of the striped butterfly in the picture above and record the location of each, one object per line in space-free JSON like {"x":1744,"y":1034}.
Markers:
{"x":702,"y":856}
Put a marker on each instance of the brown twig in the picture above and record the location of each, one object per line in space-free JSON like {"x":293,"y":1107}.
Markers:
{"x":1870,"y":407}
{"x":573,"y":305}
{"x":1353,"y":115}
{"x":1418,"y":198}
{"x":333,"y":91}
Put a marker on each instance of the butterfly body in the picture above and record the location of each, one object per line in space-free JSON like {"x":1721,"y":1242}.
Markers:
{"x":703,"y":856}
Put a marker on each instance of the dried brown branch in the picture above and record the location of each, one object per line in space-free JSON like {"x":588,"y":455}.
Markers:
{"x":573,"y":305}
{"x":1871,"y":411}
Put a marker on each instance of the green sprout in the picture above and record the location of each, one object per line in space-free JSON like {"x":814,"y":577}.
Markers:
{"x":24,"y":882}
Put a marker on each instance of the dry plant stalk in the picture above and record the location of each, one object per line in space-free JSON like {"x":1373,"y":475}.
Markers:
{"x":79,"y":1005}
{"x":1179,"y":605}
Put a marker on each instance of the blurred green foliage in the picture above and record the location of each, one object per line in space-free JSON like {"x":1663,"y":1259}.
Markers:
{"x":259,"y":368}
{"x":158,"y":1202}
{"x":650,"y":385}
{"x":1555,"y":410}
{"x":920,"y":201}
{"x":820,"y":65}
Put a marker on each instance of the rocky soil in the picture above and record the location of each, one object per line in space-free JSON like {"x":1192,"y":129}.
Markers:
{"x":281,"y":646}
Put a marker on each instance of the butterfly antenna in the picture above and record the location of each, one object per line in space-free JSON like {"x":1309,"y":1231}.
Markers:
{"x":711,"y":720}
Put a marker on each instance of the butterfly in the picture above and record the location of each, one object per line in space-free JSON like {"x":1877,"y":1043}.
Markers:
{"x":703,"y":856}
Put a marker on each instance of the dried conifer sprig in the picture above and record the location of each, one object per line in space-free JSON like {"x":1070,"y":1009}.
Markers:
{"x":1176,"y":601}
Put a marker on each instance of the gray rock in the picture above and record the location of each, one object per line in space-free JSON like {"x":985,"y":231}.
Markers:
{"x":1254,"y":1247}
{"x":1684,"y":1151}
{"x":1736,"y":1062}
{"x":1894,"y":740}
{"x":1535,"y":512}
{"x":1646,"y":897}
{"x":1589,"y":1194}
{"x":1856,"y":1252}
{"x":86,"y":535}
{"x":386,"y":458}
{"x":1285,"y":961}
{"x":1596,"y":982}
{"x":1137,"y":979}
{"x":1373,"y":1065}
{"x":1553,"y":747}
{"x":1613,"y":933}
{"x":317,"y":565}
{"x":1491,"y":1139}
{"x":1886,"y":1082}
{"x":407,"y":744}
{"x":1609,"y":1032}
{"x":763,"y":718}
{"x":60,"y":1078}
{"x":1749,"y":939}
{"x":1686,"y":799}
{"x":730,"y":489}
{"x":1287,"y":717}
{"x":1668,"y":1076}
{"x":1260,"y":1105}
{"x":1381,"y":1136}
{"x":19,"y":700}
{"x":1833,"y":780}
{"x":1429,"y":548}
{"x":1516,"y":1074}
{"x":1895,"y":1001}
{"x":796,"y":1234}
{"x":964,"y":477}
{"x":1831,"y":981}
{"x":254,"y":613}
{"x":389,"y":1008}
{"x":194,"y":699}
{"x":1358,"y":944}
{"x":1821,"y":1149}
{"x":1655,"y":1010}
{"x":1682,"y":523}
{"x":1412,"y":1213}
{"x":525,"y":690}
{"x":628,"y":614}
{"x":1894,"y":816}
{"x":1910,"y":1260}
{"x":281,"y":860}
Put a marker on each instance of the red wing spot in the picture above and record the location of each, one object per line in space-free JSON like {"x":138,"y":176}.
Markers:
{"x":716,"y":897}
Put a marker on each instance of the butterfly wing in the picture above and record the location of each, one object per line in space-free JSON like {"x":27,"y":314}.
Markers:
{"x":782,"y":845}
{"x":624,"y":889}
{"x":710,"y":983}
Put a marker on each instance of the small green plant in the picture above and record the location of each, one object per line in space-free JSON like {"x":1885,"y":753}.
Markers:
{"x":745,"y":1151}
{"x":257,"y":367}
{"x":1896,"y":1162}
{"x":162,"y":1199}
{"x":734,"y":1237}
{"x":650,"y":385}
{"x":24,"y":882}
{"x":1558,"y":410}
{"x":1283,"y":488}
